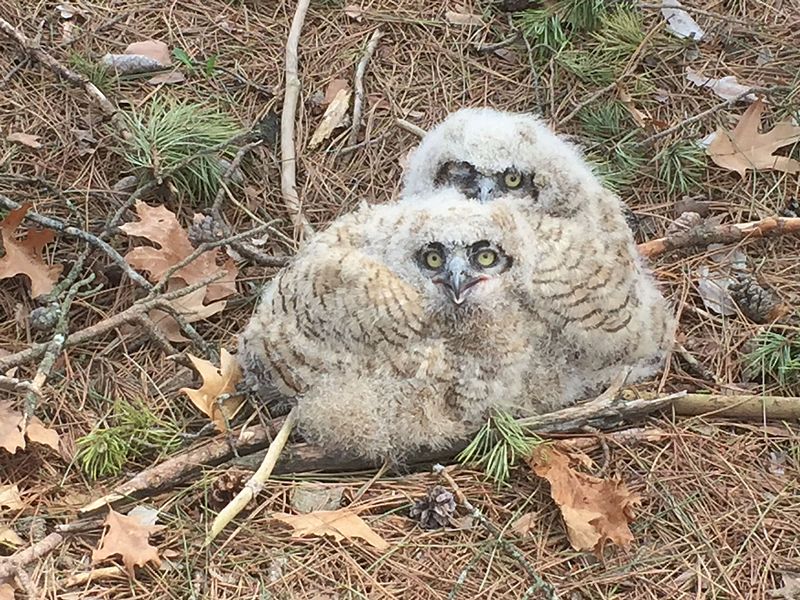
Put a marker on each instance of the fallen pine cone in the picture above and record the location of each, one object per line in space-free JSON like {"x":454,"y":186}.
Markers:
{"x":225,"y":487}
{"x":757,"y":302}
{"x":435,"y":510}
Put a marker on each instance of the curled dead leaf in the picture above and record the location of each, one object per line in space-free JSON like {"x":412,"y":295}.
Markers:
{"x":26,"y":139}
{"x":595,"y":511}
{"x":333,"y":118}
{"x":10,"y":498}
{"x":216,"y":382}
{"x":746,"y":148}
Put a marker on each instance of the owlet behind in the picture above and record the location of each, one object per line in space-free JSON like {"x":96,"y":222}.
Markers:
{"x":579,"y":265}
{"x":399,"y":328}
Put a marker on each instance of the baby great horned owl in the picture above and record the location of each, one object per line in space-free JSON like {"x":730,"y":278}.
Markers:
{"x":578,"y":265}
{"x":398,"y":328}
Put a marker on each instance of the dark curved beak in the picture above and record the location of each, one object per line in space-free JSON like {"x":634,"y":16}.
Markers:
{"x":486,"y":189}
{"x":457,"y":280}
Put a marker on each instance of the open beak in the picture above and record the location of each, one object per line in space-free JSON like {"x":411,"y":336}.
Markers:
{"x":457,"y":281}
{"x":485,"y":189}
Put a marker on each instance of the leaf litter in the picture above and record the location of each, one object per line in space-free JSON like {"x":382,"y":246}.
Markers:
{"x":24,"y":256}
{"x":128,"y":537}
{"x":216,"y":382}
{"x":746,"y":148}
{"x":12,"y":437}
{"x":727,"y":88}
{"x":340,"y":524}
{"x":595,"y":511}
{"x":160,"y":226}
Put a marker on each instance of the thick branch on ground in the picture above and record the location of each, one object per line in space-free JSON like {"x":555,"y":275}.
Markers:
{"x":36,"y":52}
{"x":358,"y":86}
{"x":288,"y":150}
{"x":182,"y":466}
{"x":706,"y":234}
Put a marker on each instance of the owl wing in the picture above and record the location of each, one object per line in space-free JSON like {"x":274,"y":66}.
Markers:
{"x":334,"y":309}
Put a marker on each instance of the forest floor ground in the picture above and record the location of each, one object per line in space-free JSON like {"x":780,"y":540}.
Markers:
{"x":721,"y":500}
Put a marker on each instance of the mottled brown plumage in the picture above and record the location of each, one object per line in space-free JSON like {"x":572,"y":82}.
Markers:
{"x":380,"y":356}
{"x":577,"y":260}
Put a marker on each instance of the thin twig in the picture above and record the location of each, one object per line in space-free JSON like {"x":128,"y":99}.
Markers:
{"x":288,"y":151}
{"x":35,"y":51}
{"x":256,"y":483}
{"x":358,"y":85}
{"x":52,"y":351}
{"x":539,"y":584}
{"x":702,"y":115}
{"x":216,"y":208}
{"x":410,"y":127}
{"x":70,"y":231}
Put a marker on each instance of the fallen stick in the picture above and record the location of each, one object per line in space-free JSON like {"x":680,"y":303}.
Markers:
{"x":288,"y":150}
{"x":10,"y":565}
{"x":358,"y":85}
{"x":137,"y":313}
{"x":768,"y":408}
{"x":70,"y":231}
{"x":705,"y":234}
{"x":602,"y":413}
{"x":36,"y":52}
{"x":256,"y":483}
{"x":182,"y":466}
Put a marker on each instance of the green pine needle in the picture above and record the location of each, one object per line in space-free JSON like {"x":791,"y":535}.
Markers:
{"x":137,"y":431}
{"x":775,"y":357}
{"x":167,"y":133}
{"x":498,"y":445}
{"x":681,"y":167}
{"x":545,"y":32}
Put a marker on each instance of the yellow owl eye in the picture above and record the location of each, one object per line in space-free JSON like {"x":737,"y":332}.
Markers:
{"x":486,"y":258}
{"x":512,"y":179}
{"x":434,"y":259}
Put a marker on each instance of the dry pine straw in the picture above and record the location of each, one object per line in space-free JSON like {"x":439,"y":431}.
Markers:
{"x":716,"y":522}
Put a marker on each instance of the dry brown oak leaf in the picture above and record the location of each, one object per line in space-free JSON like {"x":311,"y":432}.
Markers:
{"x":129,"y":538}
{"x":12,"y":438}
{"x":339,"y":524}
{"x":217,"y":381}
{"x":595,"y":510}
{"x":24,"y":256}
{"x":189,"y":306}
{"x":745,"y":148}
{"x":160,"y":226}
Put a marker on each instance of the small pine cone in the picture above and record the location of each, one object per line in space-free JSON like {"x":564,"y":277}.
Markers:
{"x":435,"y":510}
{"x":757,"y":302}
{"x":686,"y":221}
{"x":206,"y":229}
{"x":225,"y":488}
